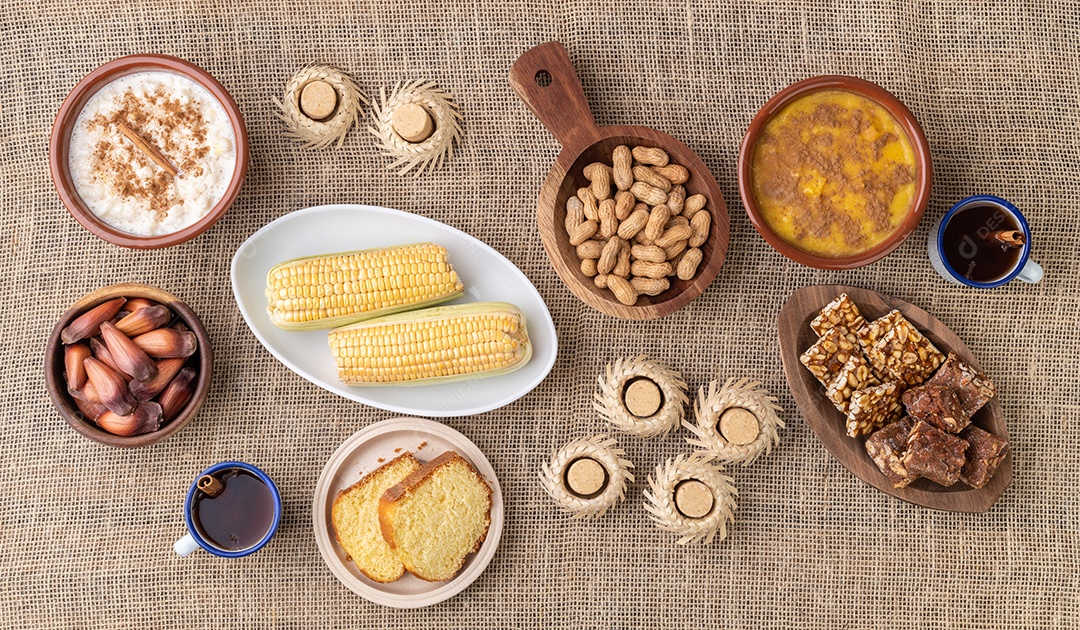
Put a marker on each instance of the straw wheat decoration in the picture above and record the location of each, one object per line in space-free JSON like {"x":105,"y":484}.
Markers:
{"x":428,"y":154}
{"x":609,"y":403}
{"x":603,"y":450}
{"x":314,"y":133}
{"x":661,"y":498}
{"x":710,"y":406}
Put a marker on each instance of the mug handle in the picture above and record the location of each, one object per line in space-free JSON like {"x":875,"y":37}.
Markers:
{"x":1031,"y":273}
{"x":186,"y":545}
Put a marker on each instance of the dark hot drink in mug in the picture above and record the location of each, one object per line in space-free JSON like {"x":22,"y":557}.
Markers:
{"x":983,"y":241}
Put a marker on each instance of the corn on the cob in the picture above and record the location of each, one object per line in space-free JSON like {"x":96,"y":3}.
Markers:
{"x":444,"y":343}
{"x":338,"y":289}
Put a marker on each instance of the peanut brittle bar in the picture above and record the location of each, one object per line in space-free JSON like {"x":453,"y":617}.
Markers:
{"x":840,"y":314}
{"x":873,"y":331}
{"x":906,"y":354}
{"x":873,"y":407}
{"x":937,"y":405}
{"x":935,"y":454}
{"x":972,"y":387}
{"x":828,"y":354}
{"x":985,"y":452}
{"x":887,"y":447}
{"x":855,"y":375}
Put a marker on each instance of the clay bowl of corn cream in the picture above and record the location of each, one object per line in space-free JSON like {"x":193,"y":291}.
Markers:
{"x":148,"y":151}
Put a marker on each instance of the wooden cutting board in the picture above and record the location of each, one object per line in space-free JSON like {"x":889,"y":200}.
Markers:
{"x":795,"y":336}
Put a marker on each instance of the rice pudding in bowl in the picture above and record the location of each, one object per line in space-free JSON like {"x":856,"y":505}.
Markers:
{"x":834,"y":172}
{"x":148,"y":151}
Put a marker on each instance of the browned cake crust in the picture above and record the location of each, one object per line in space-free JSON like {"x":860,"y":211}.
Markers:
{"x":934,"y":454}
{"x":985,"y":453}
{"x":414,"y":479}
{"x":366,"y":479}
{"x":937,"y":405}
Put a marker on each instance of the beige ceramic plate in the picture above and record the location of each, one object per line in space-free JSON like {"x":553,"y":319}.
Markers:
{"x":360,"y":455}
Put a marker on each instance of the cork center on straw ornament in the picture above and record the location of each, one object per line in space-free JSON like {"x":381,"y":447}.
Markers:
{"x":586,"y":477}
{"x":739,"y":426}
{"x":643,"y":397}
{"x":412,"y":122}
{"x":318,"y":100}
{"x":693,"y":499}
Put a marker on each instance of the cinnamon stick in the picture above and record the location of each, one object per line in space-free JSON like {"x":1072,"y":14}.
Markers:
{"x":1008,"y":238}
{"x":147,"y":148}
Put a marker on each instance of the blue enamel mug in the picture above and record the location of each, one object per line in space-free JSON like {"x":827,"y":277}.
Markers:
{"x":243,"y":517}
{"x":971,"y":246}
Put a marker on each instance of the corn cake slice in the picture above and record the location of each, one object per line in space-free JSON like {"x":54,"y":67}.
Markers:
{"x":355,"y":517}
{"x":828,"y":354}
{"x":841,"y":314}
{"x":436,"y":517}
{"x":871,"y":408}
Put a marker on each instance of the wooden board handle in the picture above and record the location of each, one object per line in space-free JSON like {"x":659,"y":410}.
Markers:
{"x":544,"y":78}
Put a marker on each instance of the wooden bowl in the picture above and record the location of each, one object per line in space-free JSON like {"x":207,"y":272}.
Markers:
{"x":897,"y":110}
{"x":65,"y":123}
{"x":545,"y":80}
{"x":795,"y":336}
{"x":54,"y":365}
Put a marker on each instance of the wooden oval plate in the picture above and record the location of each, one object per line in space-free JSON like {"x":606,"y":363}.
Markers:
{"x":795,"y":335}
{"x":362,"y":453}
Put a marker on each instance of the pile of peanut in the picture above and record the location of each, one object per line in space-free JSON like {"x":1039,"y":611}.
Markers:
{"x":634,"y":227}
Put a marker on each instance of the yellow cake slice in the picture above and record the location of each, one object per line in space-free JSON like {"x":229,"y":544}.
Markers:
{"x":436,"y":517}
{"x":356,"y":520}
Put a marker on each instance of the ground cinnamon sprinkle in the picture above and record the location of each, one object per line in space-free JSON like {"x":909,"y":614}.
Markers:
{"x":834,"y":175}
{"x":177,"y":128}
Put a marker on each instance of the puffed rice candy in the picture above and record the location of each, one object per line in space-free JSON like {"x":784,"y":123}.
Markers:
{"x":840,"y":314}
{"x":873,"y":407}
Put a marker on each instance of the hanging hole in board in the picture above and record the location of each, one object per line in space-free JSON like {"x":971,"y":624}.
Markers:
{"x":543,"y":78}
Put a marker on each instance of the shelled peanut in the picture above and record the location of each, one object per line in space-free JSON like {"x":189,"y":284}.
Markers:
{"x":124,"y":365}
{"x":633,"y":226}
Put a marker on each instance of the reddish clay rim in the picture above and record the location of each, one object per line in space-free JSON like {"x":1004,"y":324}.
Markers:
{"x":54,"y":366}
{"x":69,"y":113}
{"x":898,"y":110}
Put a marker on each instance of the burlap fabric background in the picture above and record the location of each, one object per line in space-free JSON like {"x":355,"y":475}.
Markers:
{"x":86,"y":530}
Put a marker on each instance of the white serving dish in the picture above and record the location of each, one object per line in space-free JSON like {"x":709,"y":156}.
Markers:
{"x":487,"y":275}
{"x":360,"y":454}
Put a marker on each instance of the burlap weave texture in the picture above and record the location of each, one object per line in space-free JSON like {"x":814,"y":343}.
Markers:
{"x":86,"y":530}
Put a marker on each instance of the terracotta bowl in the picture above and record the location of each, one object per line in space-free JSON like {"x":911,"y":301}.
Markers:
{"x":69,"y":113}
{"x":54,"y":365}
{"x":545,"y":79}
{"x":899,"y":112}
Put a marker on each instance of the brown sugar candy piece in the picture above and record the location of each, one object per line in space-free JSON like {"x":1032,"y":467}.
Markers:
{"x":586,"y":477}
{"x":937,"y":405}
{"x":972,"y":387}
{"x":739,"y":426}
{"x":643,"y":397}
{"x":873,"y":407}
{"x":887,"y":447}
{"x":934,"y":454}
{"x":318,"y":100}
{"x":828,"y":354}
{"x":907,"y":355}
{"x":840,"y":313}
{"x":985,"y":452}
{"x":693,"y":498}
{"x":853,"y":376}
